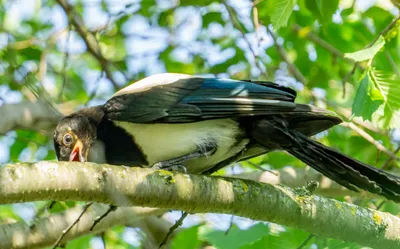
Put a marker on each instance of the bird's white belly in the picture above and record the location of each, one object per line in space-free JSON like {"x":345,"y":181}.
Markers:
{"x":160,"y":142}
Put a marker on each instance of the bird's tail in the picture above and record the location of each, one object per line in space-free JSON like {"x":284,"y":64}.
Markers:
{"x":346,"y":171}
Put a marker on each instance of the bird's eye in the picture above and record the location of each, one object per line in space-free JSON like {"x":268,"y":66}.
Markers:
{"x":67,"y":139}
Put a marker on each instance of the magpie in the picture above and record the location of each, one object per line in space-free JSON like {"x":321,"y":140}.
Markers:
{"x":200,"y":125}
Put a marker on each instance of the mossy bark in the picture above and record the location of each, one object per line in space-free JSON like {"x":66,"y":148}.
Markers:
{"x":198,"y":194}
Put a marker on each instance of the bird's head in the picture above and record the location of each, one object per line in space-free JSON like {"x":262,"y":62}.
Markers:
{"x":73,"y":137}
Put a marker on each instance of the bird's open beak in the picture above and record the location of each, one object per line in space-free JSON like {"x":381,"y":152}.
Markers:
{"x":77,"y":154}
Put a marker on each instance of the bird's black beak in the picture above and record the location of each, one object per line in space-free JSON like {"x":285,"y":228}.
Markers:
{"x":78,"y":153}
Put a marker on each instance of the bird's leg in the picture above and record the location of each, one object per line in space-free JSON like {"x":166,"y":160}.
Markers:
{"x":177,"y":164}
{"x":207,"y":150}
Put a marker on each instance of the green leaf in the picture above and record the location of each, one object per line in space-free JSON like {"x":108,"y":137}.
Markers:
{"x":166,"y":18}
{"x":80,"y":243}
{"x":368,"y":99}
{"x":291,"y":238}
{"x":389,"y":89}
{"x":367,"y":53}
{"x":187,"y":238}
{"x":8,"y":214}
{"x":379,"y":16}
{"x":211,"y":17}
{"x":16,"y":150}
{"x":327,"y":8}
{"x":236,"y":237}
{"x":279,"y":160}
{"x":322,"y":9}
{"x":280,"y":11}
{"x":31,"y":53}
{"x":378,"y":91}
{"x":195,"y":2}
{"x":148,"y":8}
{"x":60,"y":206}
{"x":332,"y":243}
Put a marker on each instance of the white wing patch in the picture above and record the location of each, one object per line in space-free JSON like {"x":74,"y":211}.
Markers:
{"x":152,"y":81}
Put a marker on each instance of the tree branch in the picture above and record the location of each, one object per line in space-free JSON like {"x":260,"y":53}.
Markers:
{"x":124,"y":186}
{"x":370,"y":139}
{"x":299,"y":177}
{"x":282,"y":53}
{"x":39,"y":116}
{"x":236,"y":24}
{"x":27,"y":115}
{"x":304,"y":32}
{"x":47,"y":230}
{"x":89,"y":39}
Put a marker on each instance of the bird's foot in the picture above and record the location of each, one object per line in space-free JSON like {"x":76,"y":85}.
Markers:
{"x":177,"y":164}
{"x":170,"y":166}
{"x":209,"y":149}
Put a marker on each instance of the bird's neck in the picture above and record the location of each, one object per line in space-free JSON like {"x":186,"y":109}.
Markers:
{"x":95,"y":114}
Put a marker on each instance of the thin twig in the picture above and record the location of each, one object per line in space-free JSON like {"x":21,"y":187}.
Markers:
{"x":73,"y":224}
{"x":385,"y":165}
{"x":317,"y":40}
{"x":110,"y":209}
{"x":281,"y":51}
{"x":230,"y":225}
{"x":258,"y":38}
{"x":236,"y":24}
{"x":103,"y":239}
{"x":95,"y":88}
{"x":177,"y":224}
{"x":261,"y":168}
{"x":66,"y":59}
{"x":89,"y":39}
{"x":52,"y":204}
{"x":347,"y":77}
{"x":255,"y":165}
{"x":381,"y":205}
{"x":370,"y":139}
{"x":392,"y":63}
{"x":305,"y":242}
{"x":334,"y":51}
{"x":39,"y":212}
{"x":347,"y":114}
{"x":383,"y":32}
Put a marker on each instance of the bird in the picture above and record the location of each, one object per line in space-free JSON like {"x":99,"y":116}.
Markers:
{"x":200,"y":124}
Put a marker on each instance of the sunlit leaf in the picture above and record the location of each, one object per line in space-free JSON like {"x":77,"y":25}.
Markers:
{"x":322,"y":9}
{"x":378,"y":91}
{"x":368,"y":98}
{"x":389,"y":88}
{"x":280,"y":12}
{"x":367,"y":53}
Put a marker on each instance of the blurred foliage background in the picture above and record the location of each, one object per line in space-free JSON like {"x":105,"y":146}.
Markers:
{"x":343,"y":55}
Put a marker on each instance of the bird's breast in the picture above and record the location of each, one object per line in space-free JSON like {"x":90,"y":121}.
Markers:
{"x":97,"y":152}
{"x":160,"y":142}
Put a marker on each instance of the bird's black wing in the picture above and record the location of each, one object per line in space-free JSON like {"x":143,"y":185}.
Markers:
{"x":192,"y":99}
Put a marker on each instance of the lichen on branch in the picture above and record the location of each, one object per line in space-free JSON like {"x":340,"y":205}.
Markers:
{"x":125,"y":186}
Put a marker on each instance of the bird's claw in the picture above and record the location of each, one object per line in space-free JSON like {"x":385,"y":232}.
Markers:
{"x":169,"y":167}
{"x":177,"y":167}
{"x":157,"y":166}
